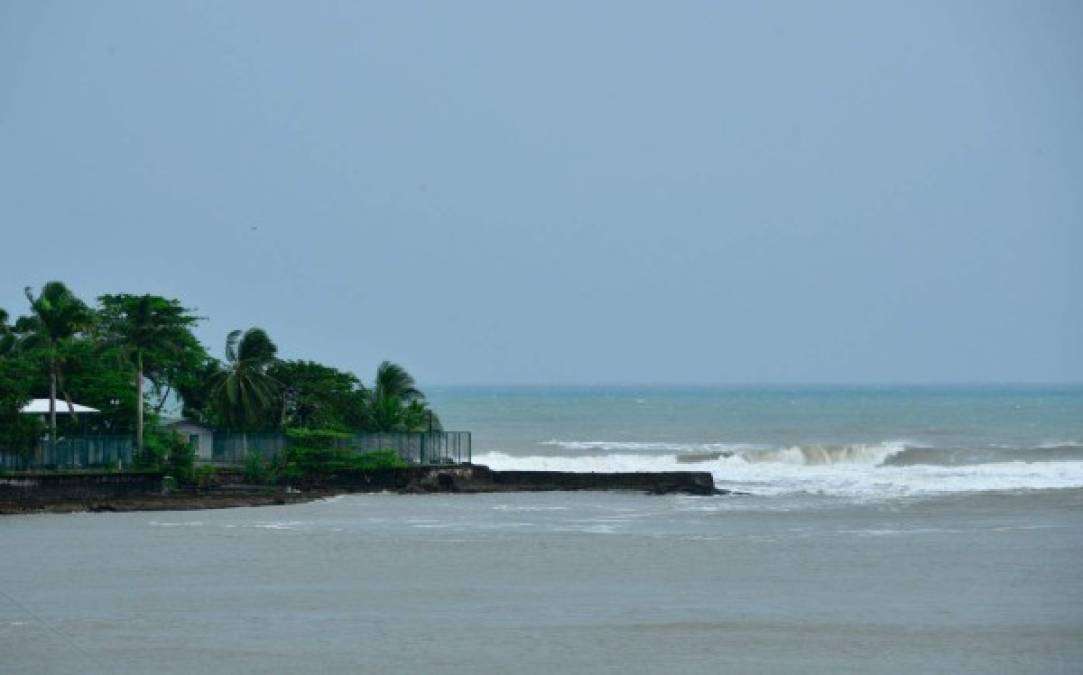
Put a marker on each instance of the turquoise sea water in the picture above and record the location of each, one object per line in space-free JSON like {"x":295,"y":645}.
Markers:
{"x":849,"y":440}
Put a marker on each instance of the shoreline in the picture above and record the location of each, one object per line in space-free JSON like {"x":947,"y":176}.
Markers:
{"x":111,"y":492}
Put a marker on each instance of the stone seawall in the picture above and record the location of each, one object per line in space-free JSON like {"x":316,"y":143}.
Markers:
{"x":660,"y":482}
{"x":77,"y":486}
{"x":144,"y":491}
{"x":477,"y":478}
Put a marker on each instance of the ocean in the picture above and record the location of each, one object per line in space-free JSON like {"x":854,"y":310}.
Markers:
{"x":869,"y":442}
{"x":878,"y":530}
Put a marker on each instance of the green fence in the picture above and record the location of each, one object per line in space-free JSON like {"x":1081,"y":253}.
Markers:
{"x":117,"y":452}
{"x":234,"y":448}
{"x":437,"y":447}
{"x":83,"y":452}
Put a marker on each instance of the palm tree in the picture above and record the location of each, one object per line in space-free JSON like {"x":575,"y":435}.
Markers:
{"x":56,"y":317}
{"x":395,"y":402}
{"x":146,"y":327}
{"x":242,"y":393}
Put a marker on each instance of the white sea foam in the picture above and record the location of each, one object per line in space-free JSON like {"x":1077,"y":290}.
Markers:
{"x":187,"y":523}
{"x":654,"y":446}
{"x":855,"y":471}
{"x":1056,"y":444}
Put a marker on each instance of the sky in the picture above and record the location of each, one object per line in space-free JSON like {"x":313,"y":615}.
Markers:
{"x":565,"y":192}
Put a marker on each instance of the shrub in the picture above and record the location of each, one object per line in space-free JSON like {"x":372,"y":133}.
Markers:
{"x":308,"y":461}
{"x":381,"y":459}
{"x":258,"y":470}
{"x":204,"y":475}
{"x":180,"y":462}
{"x":313,"y":461}
{"x":164,"y":450}
{"x":152,"y":457}
{"x":319,"y":452}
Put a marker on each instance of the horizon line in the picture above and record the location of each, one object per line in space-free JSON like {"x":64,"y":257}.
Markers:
{"x":776,"y":383}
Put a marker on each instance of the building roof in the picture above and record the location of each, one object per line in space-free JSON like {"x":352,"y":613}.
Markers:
{"x":40,"y":406}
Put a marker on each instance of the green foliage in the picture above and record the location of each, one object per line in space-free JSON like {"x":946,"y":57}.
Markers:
{"x":94,"y":375}
{"x":317,"y":452}
{"x":322,"y":461}
{"x":153,"y":455}
{"x":148,"y":326}
{"x":315,"y":396}
{"x":193,"y":383}
{"x":56,"y":315}
{"x":167,"y":451}
{"x":94,"y":357}
{"x":180,"y":462}
{"x":154,"y":336}
{"x":56,"y":318}
{"x":7,"y":335}
{"x":18,"y":433}
{"x":242,"y":393}
{"x":316,"y":461}
{"x":396,"y":404}
{"x":204,"y":475}
{"x":258,"y":470}
{"x":380,"y":459}
{"x":316,"y":438}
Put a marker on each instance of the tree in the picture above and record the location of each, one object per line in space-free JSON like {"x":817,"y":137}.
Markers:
{"x":194,"y":384}
{"x":396,"y":404}
{"x":57,"y":316}
{"x":18,"y":432}
{"x":98,"y":375}
{"x":153,"y":332}
{"x":315,"y":396}
{"x":242,"y":392}
{"x":7,"y":337}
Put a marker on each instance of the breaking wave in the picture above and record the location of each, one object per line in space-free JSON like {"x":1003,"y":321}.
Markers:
{"x":890,"y":468}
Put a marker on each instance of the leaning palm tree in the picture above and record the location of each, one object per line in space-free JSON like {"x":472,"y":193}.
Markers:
{"x":56,"y":317}
{"x":146,"y":327}
{"x":242,"y":393}
{"x":392,"y":381}
{"x":395,"y":402}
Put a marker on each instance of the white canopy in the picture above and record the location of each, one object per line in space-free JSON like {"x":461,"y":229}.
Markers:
{"x":40,"y":406}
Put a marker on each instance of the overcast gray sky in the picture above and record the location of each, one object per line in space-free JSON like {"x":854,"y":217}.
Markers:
{"x":565,"y":192}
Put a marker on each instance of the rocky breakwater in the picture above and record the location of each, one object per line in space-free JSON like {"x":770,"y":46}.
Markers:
{"x":481,"y":479}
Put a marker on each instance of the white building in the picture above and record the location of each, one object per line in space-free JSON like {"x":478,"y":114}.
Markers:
{"x":200,"y":437}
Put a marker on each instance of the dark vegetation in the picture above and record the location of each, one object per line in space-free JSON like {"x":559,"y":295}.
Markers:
{"x":134,"y":357}
{"x":313,"y":453}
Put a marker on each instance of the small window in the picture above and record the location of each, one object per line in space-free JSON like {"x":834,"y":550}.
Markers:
{"x":193,"y":442}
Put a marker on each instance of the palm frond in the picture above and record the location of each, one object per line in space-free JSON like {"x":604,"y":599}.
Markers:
{"x":256,"y":347}
{"x":243,"y":394}
{"x":231,"y":345}
{"x":392,"y":381}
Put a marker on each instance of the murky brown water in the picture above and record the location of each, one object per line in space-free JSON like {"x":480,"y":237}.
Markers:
{"x":552,"y":583}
